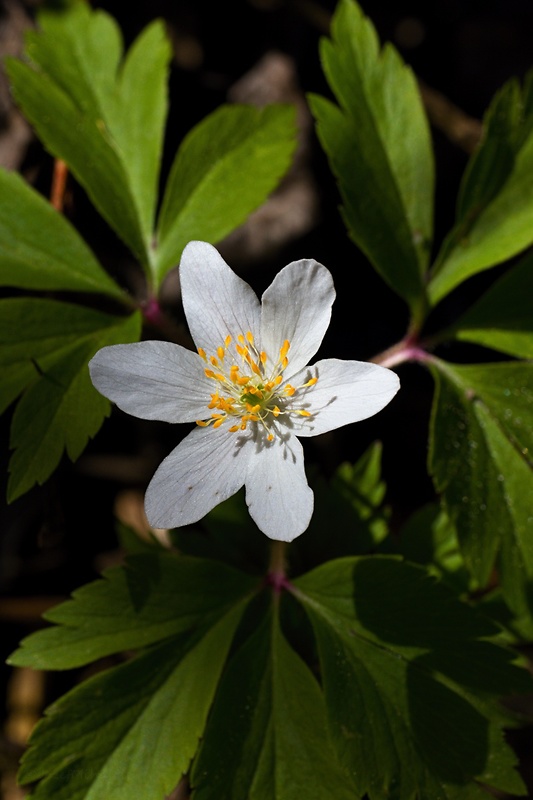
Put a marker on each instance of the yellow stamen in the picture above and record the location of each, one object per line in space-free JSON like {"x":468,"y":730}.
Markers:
{"x":284,"y":349}
{"x":249,"y":398}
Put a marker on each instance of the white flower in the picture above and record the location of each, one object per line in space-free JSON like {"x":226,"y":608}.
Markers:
{"x":248,"y":388}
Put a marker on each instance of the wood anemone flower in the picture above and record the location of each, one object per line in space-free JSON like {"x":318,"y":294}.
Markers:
{"x":249,"y":388}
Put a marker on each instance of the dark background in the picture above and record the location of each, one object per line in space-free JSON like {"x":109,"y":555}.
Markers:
{"x":58,"y":536}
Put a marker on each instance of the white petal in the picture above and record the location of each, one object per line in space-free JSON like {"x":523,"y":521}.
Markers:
{"x":216,"y":301}
{"x":297,"y":307}
{"x":346,"y":392}
{"x":153,"y":380}
{"x":279,"y":499}
{"x":207,"y":467}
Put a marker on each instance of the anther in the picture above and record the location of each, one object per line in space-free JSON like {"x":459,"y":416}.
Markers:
{"x":284,"y":349}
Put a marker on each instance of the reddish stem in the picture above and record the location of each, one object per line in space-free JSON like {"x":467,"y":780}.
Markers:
{"x":408,"y":349}
{"x":59,"y":185}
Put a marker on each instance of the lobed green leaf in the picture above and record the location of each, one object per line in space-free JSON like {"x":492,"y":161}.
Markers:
{"x":496,"y":196}
{"x":153,"y":597}
{"x":132,"y":730}
{"x":225,"y":168}
{"x":503,"y":317}
{"x":46,"y":355}
{"x":267,"y":736}
{"x":104,"y":118}
{"x":378,"y":144}
{"x":39,"y":248}
{"x":410,"y":681}
{"x":481,"y":441}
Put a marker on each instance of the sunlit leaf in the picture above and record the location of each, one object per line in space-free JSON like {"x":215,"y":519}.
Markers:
{"x":224,"y":169}
{"x":480,"y":459}
{"x":46,"y":354}
{"x":131,"y":730}
{"x":378,"y":144}
{"x":496,"y":196}
{"x":104,"y":117}
{"x":39,"y":248}
{"x":267,"y":736}
{"x":503,"y":317}
{"x":150,"y":599}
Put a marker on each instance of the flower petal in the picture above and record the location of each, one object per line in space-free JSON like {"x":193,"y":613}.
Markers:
{"x":207,"y":467}
{"x":279,"y":499}
{"x":297,"y":307}
{"x":216,"y":301}
{"x":153,"y":380}
{"x":346,"y":392}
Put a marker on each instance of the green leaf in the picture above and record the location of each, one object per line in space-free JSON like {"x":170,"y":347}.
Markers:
{"x":379,"y":148}
{"x":350,"y":508}
{"x":44,"y":349}
{"x":39,"y":248}
{"x":154,"y":596}
{"x":33,"y":331}
{"x":496,"y":196}
{"x":481,"y":441}
{"x":103,"y":118}
{"x":267,"y":735}
{"x":132,"y":730}
{"x":225,"y":168}
{"x":410,"y":681}
{"x":429,"y":538}
{"x":503,"y":317}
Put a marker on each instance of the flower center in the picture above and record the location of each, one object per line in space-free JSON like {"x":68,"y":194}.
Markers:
{"x":248,"y":388}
